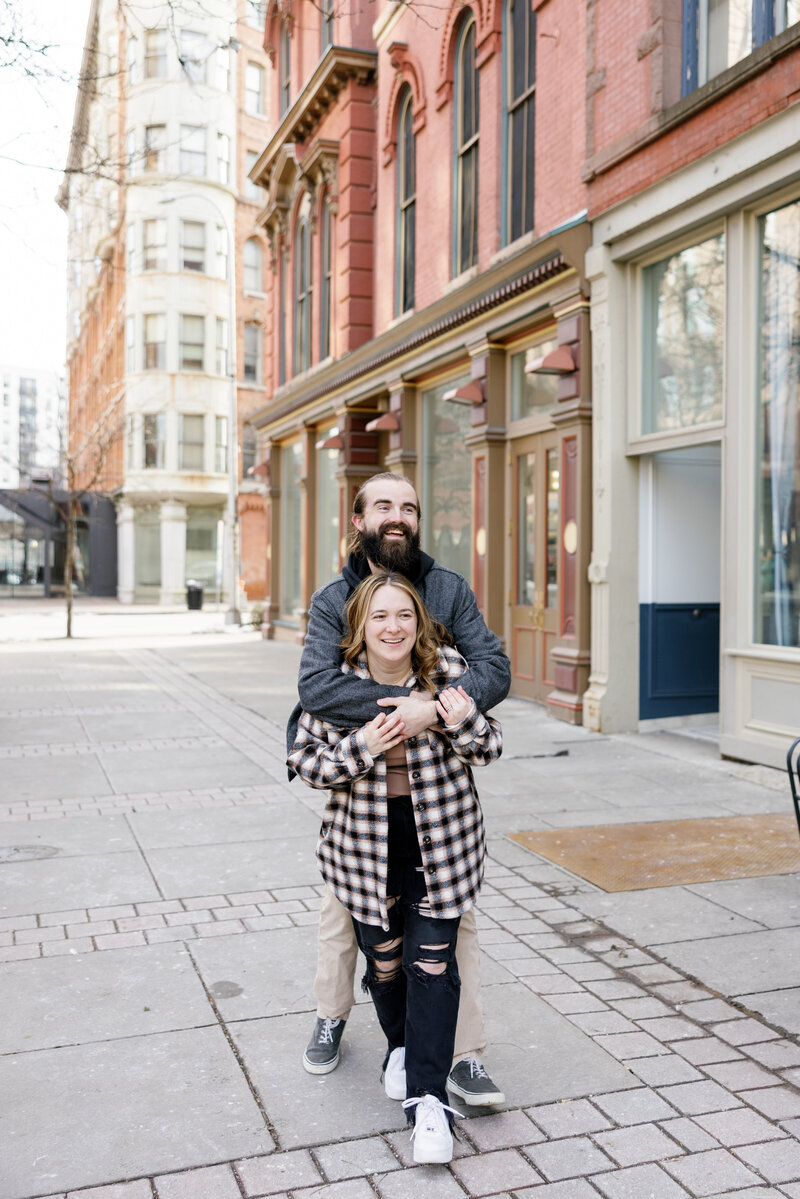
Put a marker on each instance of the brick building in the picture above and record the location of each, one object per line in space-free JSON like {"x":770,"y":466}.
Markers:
{"x":427,"y":306}
{"x":164,"y":256}
{"x":693,"y":178}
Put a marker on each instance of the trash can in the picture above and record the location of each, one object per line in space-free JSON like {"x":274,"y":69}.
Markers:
{"x":194,"y":595}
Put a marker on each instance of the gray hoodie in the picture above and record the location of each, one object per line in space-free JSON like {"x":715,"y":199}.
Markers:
{"x":349,"y":702}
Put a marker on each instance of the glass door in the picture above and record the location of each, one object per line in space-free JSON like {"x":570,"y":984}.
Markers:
{"x":535,"y":597}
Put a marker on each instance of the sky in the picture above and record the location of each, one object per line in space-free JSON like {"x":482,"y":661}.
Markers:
{"x":35,"y":124}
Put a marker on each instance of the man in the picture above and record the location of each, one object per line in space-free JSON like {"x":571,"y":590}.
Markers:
{"x":385,"y":536}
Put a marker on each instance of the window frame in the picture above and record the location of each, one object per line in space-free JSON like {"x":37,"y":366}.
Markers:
{"x":194,"y":68}
{"x":223,"y":158}
{"x":159,"y":441}
{"x":188,"y":361}
{"x":301,"y":355}
{"x":694,"y":39}
{"x":221,"y":347}
{"x":285,"y":70}
{"x":155,"y":154}
{"x":466,"y":149}
{"x":193,"y":255}
{"x":253,"y":272}
{"x":405,"y":270}
{"x":327,"y":17}
{"x":186,"y":444}
{"x":252,"y":364}
{"x":154,"y":252}
{"x":326,"y":279}
{"x":220,"y":444}
{"x":254,"y":97}
{"x":188,"y":154}
{"x":155,"y":57}
{"x":158,"y":347}
{"x":523,"y":104}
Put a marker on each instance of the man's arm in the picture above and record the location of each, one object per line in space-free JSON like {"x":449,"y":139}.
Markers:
{"x":488,"y":675}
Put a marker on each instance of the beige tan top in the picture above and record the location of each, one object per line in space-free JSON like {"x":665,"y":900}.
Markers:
{"x":397,"y":771}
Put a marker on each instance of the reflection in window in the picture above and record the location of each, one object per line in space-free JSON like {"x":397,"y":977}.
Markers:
{"x":327,"y":514}
{"x":326,"y":282}
{"x":252,"y":352}
{"x":193,"y":55}
{"x":446,"y":479}
{"x":526,"y":528}
{"x":302,"y":296}
{"x":291,"y":539}
{"x":778,"y":486}
{"x":202,"y":559}
{"x":719,"y":33}
{"x":283,"y":67}
{"x":553,"y":512}
{"x":532,"y":393}
{"x":193,"y":246}
{"x":684,"y":312}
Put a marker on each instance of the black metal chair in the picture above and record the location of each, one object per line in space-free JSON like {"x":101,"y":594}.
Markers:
{"x":793,"y":766}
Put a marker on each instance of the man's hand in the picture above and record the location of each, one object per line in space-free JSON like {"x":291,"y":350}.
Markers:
{"x":417,"y":711}
{"x":385,"y":731}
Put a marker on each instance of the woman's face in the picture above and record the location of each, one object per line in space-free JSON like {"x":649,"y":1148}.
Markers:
{"x":391,"y":628}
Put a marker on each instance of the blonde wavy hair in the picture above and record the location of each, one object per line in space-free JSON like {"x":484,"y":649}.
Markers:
{"x":430,"y":633}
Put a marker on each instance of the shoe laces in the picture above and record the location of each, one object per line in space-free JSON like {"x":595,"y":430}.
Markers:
{"x":430,"y":1113}
{"x":326,"y":1031}
{"x":476,"y":1070}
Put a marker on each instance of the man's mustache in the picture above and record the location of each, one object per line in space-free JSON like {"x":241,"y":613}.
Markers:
{"x":394,"y":525}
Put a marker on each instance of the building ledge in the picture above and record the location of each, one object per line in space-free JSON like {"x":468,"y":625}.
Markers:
{"x":337,"y":66}
{"x":703,"y":97}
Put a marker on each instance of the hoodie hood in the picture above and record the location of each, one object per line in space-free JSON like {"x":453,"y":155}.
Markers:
{"x":356,"y":569}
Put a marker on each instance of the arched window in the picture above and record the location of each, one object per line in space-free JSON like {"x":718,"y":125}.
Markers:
{"x":326,"y":260}
{"x":467,"y":117}
{"x":285,"y":85}
{"x":406,"y":203}
{"x":521,"y":109}
{"x":302,"y":296}
{"x":253,"y":258}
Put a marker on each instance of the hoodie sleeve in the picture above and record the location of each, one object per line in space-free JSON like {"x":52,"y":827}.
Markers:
{"x":488,"y":674}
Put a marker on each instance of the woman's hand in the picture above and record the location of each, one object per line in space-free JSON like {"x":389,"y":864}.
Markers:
{"x":385,"y":731}
{"x":454,"y":704}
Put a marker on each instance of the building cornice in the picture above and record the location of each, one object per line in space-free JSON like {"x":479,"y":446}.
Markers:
{"x":493,"y":290}
{"x":334,"y":70}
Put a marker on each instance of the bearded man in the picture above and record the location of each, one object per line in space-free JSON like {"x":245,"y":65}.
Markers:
{"x":385,"y":536}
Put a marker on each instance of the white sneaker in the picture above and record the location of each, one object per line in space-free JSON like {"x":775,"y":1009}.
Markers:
{"x":433,"y":1140}
{"x":394,"y":1074}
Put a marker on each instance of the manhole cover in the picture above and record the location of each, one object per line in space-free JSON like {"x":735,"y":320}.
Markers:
{"x":26,"y":853}
{"x":225,"y":990}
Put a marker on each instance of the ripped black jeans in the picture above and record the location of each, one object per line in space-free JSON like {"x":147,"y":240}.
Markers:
{"x":411,"y":968}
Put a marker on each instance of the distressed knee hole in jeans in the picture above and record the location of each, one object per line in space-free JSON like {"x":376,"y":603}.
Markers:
{"x":383,"y":964}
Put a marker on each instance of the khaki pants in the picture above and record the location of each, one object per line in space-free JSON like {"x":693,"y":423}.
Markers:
{"x":336,"y":968}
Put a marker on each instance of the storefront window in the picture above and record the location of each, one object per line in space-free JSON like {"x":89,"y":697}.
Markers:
{"x":446,"y":472}
{"x":147,"y":548}
{"x":291,"y":460}
{"x":532,"y":393}
{"x":778,"y":483}
{"x":327,"y":516}
{"x":684,"y":314}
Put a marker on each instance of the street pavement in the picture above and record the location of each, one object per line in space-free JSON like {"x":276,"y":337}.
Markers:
{"x":158,"y":909}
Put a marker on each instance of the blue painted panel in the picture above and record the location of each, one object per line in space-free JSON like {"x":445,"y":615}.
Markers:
{"x":678,"y":659}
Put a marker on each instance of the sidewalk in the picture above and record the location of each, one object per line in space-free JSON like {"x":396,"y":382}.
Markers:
{"x":158,"y":899}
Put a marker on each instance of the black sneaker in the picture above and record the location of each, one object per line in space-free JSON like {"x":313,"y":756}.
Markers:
{"x":322,"y":1051}
{"x":470,"y":1082}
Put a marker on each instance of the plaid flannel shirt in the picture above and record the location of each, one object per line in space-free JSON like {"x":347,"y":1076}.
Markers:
{"x":353,"y":843}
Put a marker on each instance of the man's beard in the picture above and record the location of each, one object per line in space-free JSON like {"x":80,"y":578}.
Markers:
{"x":401,"y":556}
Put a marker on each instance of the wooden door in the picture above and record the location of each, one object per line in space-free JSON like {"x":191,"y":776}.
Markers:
{"x":535,"y":597}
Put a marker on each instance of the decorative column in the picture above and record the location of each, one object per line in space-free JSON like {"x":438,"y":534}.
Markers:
{"x":611,"y":698}
{"x":401,"y":423}
{"x":126,"y":553}
{"x":487,"y":441}
{"x":572,"y":417}
{"x":308,"y":539}
{"x":272,"y":604}
{"x":173,"y":553}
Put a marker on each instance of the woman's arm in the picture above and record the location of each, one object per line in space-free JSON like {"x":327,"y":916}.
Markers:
{"x":324,"y":761}
{"x":474,"y":738}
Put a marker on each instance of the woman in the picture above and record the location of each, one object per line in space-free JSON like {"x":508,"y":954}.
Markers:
{"x":402,"y":842}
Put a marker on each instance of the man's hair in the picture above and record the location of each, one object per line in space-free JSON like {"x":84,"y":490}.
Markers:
{"x":430,"y":634}
{"x":360,"y":503}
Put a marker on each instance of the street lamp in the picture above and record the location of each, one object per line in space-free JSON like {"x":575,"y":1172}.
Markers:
{"x":232,"y":615}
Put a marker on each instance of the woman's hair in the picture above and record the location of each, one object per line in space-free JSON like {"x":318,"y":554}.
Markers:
{"x":430,"y":633}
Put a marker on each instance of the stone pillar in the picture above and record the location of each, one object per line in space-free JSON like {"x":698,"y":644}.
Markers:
{"x":272,"y":605}
{"x":572,"y":417}
{"x":173,"y":553}
{"x":126,"y":553}
{"x":610,"y":703}
{"x":401,"y":456}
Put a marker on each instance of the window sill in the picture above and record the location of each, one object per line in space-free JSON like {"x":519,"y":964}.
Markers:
{"x":707,"y":94}
{"x":514,"y":247}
